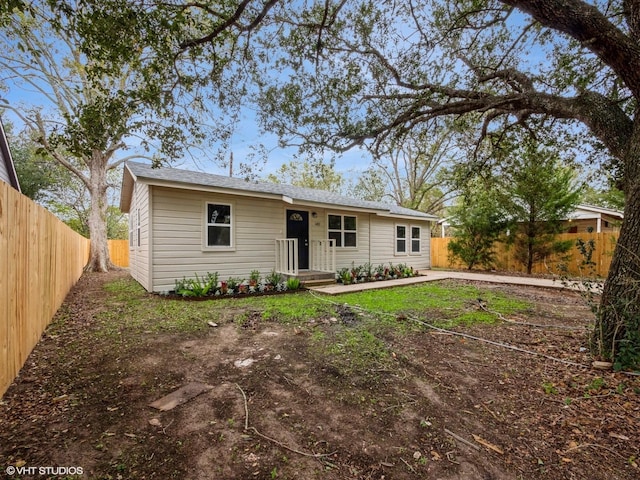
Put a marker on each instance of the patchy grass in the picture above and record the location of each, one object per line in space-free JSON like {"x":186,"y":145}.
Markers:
{"x":131,"y":309}
{"x":356,"y":345}
{"x":444,"y":304}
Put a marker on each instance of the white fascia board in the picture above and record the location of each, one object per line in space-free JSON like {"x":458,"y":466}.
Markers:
{"x":208,"y":189}
{"x":408,"y":217}
{"x":334,"y":206}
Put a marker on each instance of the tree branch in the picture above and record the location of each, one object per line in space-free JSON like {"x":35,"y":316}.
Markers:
{"x":232,"y":20}
{"x":585,"y":23}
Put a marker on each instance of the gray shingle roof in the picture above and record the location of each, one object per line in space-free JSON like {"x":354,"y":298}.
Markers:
{"x":175,"y":175}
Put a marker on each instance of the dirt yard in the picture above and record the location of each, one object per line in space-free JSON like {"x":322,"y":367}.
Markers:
{"x":438,"y":407}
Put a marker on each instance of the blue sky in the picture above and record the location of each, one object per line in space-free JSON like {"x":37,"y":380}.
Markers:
{"x":243,"y":143}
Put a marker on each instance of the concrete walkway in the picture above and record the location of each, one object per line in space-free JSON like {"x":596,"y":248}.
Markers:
{"x":435,"y":275}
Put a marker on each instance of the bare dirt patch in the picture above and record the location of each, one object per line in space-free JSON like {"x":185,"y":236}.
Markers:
{"x":445,"y":408}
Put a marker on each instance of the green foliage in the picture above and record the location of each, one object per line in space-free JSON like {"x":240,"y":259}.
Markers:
{"x":35,"y":171}
{"x":369,"y":273}
{"x":210,"y":285}
{"x":254,"y":276}
{"x":196,"y":287}
{"x":233,"y":283}
{"x":370,"y":186}
{"x":92,"y":112}
{"x":540,"y":192}
{"x":624,"y":345}
{"x":478,"y":221}
{"x":310,"y":174}
{"x":344,"y":276}
{"x":413,"y":172}
{"x":293,"y":283}
{"x":273,"y":278}
{"x":610,"y":197}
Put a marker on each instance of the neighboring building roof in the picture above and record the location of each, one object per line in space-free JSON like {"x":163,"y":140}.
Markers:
{"x":591,"y":211}
{"x":581,"y":212}
{"x":7,"y":169}
{"x":179,"y":178}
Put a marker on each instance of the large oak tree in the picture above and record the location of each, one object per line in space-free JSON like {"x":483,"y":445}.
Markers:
{"x":369,"y":71}
{"x":343,"y":73}
{"x":85,"y":114}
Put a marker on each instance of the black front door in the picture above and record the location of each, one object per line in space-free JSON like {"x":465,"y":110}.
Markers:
{"x":298,"y":227}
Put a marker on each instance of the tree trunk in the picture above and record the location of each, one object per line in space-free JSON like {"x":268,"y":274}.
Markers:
{"x":530,"y":241}
{"x":99,"y":260}
{"x":617,"y":331}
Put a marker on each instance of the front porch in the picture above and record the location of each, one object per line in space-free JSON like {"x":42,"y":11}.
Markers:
{"x":320,"y":266}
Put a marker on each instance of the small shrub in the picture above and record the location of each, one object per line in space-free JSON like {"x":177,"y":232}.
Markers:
{"x":344,"y":276}
{"x":293,"y":284}
{"x":273,"y":279}
{"x":254,"y":277}
{"x":195,"y":287}
{"x":234,"y":282}
{"x":369,"y":273}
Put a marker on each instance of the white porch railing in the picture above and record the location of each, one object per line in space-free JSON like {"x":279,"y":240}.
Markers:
{"x":323,"y":255}
{"x":287,"y":256}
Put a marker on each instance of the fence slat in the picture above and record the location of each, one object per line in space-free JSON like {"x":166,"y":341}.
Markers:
{"x":40,"y":260}
{"x":119,"y":252}
{"x":505,"y":260}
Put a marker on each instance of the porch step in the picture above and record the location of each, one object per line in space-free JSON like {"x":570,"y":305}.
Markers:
{"x":319,"y":282}
{"x":314,"y":278}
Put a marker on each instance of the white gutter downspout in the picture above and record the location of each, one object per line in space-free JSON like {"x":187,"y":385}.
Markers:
{"x":599,"y":225}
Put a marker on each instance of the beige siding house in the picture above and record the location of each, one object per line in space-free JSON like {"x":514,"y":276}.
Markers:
{"x":184,"y":223}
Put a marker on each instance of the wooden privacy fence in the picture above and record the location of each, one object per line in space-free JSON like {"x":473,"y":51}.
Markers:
{"x":40,"y":260}
{"x":119,"y":252}
{"x":505,"y":258}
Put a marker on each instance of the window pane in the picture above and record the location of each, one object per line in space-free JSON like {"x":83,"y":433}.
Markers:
{"x":350,"y":223}
{"x":401,"y":231}
{"x":401,"y":246}
{"x":335,"y":222}
{"x":219,"y":236}
{"x":415,"y":246}
{"x":349,"y":239}
{"x":219,"y":214}
{"x":415,"y":232}
{"x":337,"y":236}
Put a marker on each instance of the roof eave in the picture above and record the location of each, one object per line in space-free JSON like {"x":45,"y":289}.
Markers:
{"x":126,"y":192}
{"x":155,"y":182}
{"x":402,"y":216}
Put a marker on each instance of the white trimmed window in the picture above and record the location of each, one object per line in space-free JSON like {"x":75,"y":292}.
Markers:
{"x":219,"y":224}
{"x":415,"y":239}
{"x":401,"y":239}
{"x":343,"y":229}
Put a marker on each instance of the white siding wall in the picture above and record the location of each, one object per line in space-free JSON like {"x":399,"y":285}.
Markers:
{"x":139,"y":265}
{"x":178,"y":226}
{"x":383,"y":242}
{"x":4,"y":174}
